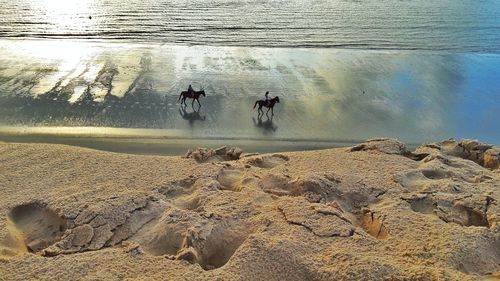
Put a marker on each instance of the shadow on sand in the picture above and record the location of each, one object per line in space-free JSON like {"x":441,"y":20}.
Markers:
{"x":267,"y":126}
{"x":191,"y":116}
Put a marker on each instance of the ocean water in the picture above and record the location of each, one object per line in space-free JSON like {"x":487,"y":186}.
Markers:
{"x":453,"y":25}
{"x":345,"y":71}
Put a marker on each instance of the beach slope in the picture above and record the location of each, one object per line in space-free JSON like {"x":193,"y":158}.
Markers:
{"x":375,"y":211}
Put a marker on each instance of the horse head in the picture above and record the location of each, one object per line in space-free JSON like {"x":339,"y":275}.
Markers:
{"x":277,"y":99}
{"x":202,"y":92}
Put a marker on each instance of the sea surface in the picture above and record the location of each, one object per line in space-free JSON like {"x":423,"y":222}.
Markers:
{"x":454,"y":25}
{"x":107,"y":74}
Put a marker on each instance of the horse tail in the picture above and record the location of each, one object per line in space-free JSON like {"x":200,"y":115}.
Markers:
{"x":255,"y":104}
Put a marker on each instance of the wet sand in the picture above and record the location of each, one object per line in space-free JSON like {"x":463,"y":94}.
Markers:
{"x":158,"y":144}
{"x":326,"y":94}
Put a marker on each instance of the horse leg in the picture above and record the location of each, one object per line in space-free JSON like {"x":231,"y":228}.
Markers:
{"x":272,"y":110}
{"x":192,"y":104}
{"x":198,"y":102}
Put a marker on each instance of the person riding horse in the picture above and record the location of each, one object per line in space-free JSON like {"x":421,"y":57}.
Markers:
{"x":269,"y":103}
{"x":192,"y":94}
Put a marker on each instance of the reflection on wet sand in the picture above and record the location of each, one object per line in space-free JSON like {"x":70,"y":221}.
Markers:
{"x":327,"y":94}
{"x":191,"y":116}
{"x":267,"y":126}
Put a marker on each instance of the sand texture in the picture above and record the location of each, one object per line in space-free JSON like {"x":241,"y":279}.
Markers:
{"x":375,"y":211}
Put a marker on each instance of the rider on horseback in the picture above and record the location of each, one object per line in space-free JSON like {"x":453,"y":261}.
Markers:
{"x":269,"y":103}
{"x":190,"y":90}
{"x":191,"y":94}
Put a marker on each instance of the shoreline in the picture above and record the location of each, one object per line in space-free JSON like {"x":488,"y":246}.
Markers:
{"x":174,"y":146}
{"x":152,"y":44}
{"x":158,"y":141}
{"x":103,"y":43}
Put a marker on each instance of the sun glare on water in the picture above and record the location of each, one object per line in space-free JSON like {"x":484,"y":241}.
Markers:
{"x":67,"y":16}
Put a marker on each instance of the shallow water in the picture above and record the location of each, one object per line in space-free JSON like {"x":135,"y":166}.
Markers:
{"x":327,"y":95}
{"x":75,"y":70}
{"x":458,"y":25}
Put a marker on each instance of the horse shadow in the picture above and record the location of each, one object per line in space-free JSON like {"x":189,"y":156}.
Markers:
{"x":191,"y":116}
{"x":267,"y":126}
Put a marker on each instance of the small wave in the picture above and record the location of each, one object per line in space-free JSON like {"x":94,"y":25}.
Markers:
{"x":385,"y":24}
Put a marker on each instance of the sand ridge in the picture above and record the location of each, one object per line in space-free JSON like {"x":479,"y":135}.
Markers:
{"x":375,"y":211}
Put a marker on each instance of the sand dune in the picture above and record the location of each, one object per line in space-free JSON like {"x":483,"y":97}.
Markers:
{"x":375,"y":211}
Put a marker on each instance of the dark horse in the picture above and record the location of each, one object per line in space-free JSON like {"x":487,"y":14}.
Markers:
{"x":269,"y":104}
{"x":195,"y":95}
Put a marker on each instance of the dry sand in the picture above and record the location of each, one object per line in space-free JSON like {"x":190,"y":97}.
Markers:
{"x":371,"y":212}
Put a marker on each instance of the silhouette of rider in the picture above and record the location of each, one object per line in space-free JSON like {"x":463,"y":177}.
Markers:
{"x":267,"y":97}
{"x":190,"y":90}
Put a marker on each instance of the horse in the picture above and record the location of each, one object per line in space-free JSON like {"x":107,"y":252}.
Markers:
{"x":269,"y":104}
{"x":195,"y":95}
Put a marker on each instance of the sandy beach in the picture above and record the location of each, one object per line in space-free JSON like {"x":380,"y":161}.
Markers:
{"x":379,"y":159}
{"x":374,"y":211}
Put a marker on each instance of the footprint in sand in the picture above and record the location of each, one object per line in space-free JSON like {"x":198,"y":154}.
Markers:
{"x":449,"y":210}
{"x":176,"y":188}
{"x":183,"y":236}
{"x":267,"y":161}
{"x":235,"y":179}
{"x":229,"y":179}
{"x":423,"y":205}
{"x":32,"y":227}
{"x":186,"y":193}
{"x":277,"y":184}
{"x":427,"y":180}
